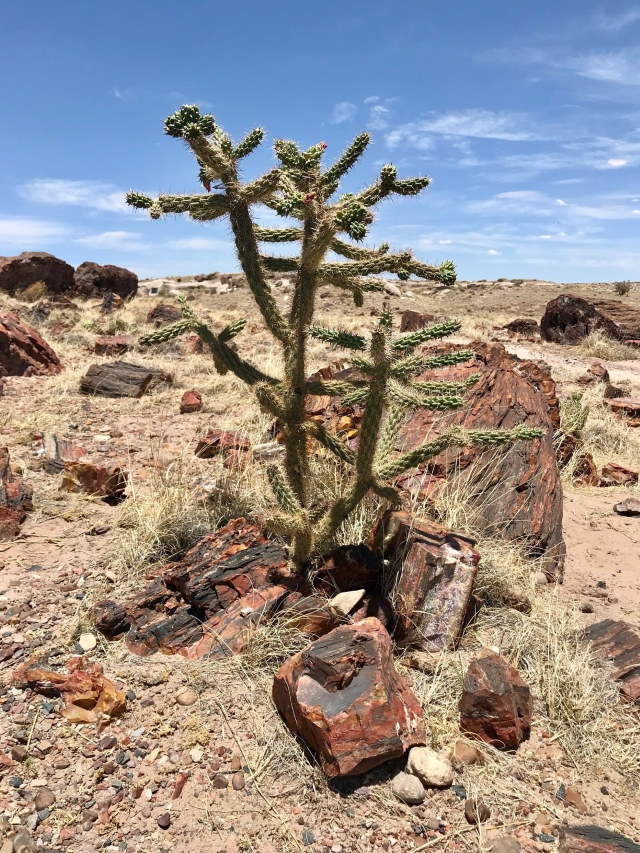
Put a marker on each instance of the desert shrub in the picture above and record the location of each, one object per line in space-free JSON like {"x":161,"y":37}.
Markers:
{"x":622,"y":288}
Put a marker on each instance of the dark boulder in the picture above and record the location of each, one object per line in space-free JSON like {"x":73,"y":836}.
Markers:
{"x":94,"y":280}
{"x":18,"y":272}
{"x":568,"y":319}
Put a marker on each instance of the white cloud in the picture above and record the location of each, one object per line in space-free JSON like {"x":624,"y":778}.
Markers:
{"x":615,"y":22}
{"x":343,"y":111}
{"x":378,"y":117}
{"x":616,"y":66}
{"x":472,"y":123}
{"x":200,"y":243}
{"x":493,"y":252}
{"x":122,"y":94}
{"x":534,"y":203}
{"x":26,"y":233}
{"x":91,"y":194}
{"x":616,"y":162}
{"x":124,"y":240}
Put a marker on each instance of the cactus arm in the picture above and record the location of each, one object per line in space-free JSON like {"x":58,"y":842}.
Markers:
{"x":430,"y":333}
{"x":248,"y":144}
{"x":356,"y":253}
{"x":275,"y":263}
{"x":278,"y":235}
{"x":348,"y":159}
{"x":338,"y":338}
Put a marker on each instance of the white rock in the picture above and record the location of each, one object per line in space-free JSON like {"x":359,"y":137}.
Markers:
{"x":408,"y":789}
{"x":87,"y":642}
{"x":344,"y":602}
{"x":196,"y":754}
{"x":432,"y":769}
{"x":392,"y":289}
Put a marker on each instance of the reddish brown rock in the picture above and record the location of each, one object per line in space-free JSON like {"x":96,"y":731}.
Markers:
{"x":191,"y":402}
{"x":517,"y":491}
{"x":613,"y":474}
{"x":23,"y":352}
{"x":112,"y":345}
{"x":349,"y":567}
{"x":594,"y":839}
{"x":568,"y":319}
{"x":121,"y":379}
{"x":92,"y":280}
{"x":596,"y":372}
{"x":618,"y":643}
{"x":626,"y":407}
{"x":496,"y":704}
{"x":94,"y":478}
{"x":523,"y":328}
{"x":16,"y":498}
{"x":629,"y":506}
{"x":411,"y":321}
{"x":430,"y":577}
{"x":219,"y":441}
{"x":55,"y":452}
{"x":208,"y":602}
{"x":193,"y":345}
{"x":163,"y":315}
{"x":18,"y":272}
{"x":344,"y":698}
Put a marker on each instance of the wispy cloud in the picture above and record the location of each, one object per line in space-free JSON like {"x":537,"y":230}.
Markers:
{"x":343,"y":111}
{"x":92,"y":194}
{"x":616,"y":66}
{"x":614,"y":22}
{"x":200,"y":244}
{"x":532,"y":203}
{"x":27,"y":233}
{"x":472,"y":123}
{"x":128,"y":241}
{"x":122,"y":94}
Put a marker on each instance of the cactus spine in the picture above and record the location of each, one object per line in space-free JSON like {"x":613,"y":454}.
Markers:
{"x":299,"y":188}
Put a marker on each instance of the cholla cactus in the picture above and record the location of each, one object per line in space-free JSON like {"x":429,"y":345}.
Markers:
{"x":300,"y":189}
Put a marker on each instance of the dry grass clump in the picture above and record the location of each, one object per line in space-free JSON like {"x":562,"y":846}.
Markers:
{"x":622,"y":288}
{"x":598,"y":345}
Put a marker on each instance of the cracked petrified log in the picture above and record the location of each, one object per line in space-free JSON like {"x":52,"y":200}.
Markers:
{"x":23,"y":352}
{"x":613,"y":474}
{"x":430,"y":577}
{"x":618,"y":643}
{"x":19,"y":271}
{"x":16,"y":498}
{"x":496,"y":704}
{"x":120,"y":379}
{"x":568,"y":319}
{"x":594,"y":839}
{"x":96,"y":478}
{"x":344,"y":698}
{"x":207,"y":602}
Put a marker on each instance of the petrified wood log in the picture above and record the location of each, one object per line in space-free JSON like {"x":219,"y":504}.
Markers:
{"x":496,"y":704}
{"x":613,"y":474}
{"x":206,"y":603}
{"x":430,"y":577}
{"x":120,"y":379}
{"x":568,"y":319}
{"x":411,"y":321}
{"x":16,"y":498}
{"x":344,"y":698}
{"x":94,"y":478}
{"x":112,"y":345}
{"x":619,"y":644}
{"x":523,"y":327}
{"x":164,"y":314}
{"x":517,"y":491}
{"x":594,"y":839}
{"x":23,"y":352}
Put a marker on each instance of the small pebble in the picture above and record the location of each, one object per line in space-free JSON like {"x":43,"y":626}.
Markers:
{"x":187,"y":697}
{"x":164,"y":820}
{"x":87,"y":642}
{"x":237,"y":781}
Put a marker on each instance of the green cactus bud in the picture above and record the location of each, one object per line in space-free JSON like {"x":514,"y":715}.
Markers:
{"x":138,"y":200}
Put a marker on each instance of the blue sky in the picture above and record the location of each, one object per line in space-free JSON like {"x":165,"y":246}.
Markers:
{"x":526,"y":115}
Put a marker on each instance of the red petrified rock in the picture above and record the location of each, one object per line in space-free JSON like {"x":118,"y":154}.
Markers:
{"x":411,"y":321}
{"x":163,"y":314}
{"x":596,"y":372}
{"x":619,"y":644}
{"x":18,"y":272}
{"x":594,"y":839}
{"x":430,"y":579}
{"x":191,"y":402}
{"x":94,"y":478}
{"x":112,"y":345}
{"x":23,"y":352}
{"x":496,"y":704}
{"x":218,"y":441}
{"x":344,"y":698}
{"x":15,"y":498}
{"x":626,"y":407}
{"x":523,"y":328}
{"x":208,"y":602}
{"x":613,"y":474}
{"x":55,"y":451}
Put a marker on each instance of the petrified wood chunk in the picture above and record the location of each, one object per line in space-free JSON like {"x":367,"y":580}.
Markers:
{"x":94,"y":478}
{"x":16,"y":498}
{"x":54,"y":451}
{"x":594,"y":839}
{"x":411,"y":321}
{"x":568,"y":319}
{"x":496,"y":704}
{"x":23,"y":352}
{"x":429,"y":580}
{"x":19,"y":271}
{"x":93,"y":280}
{"x":613,"y":474}
{"x":191,"y":402}
{"x":618,"y":643}
{"x":523,"y":327}
{"x":344,"y":698}
{"x":515,"y":491}
{"x":628,"y":407}
{"x":111,"y":345}
{"x":220,"y":441}
{"x":120,"y":379}
{"x":164,"y":314}
{"x":206,"y":603}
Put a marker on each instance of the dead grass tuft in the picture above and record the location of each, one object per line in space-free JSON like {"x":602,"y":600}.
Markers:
{"x":598,"y":345}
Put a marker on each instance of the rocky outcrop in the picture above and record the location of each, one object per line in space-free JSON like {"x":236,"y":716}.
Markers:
{"x":16,"y":498}
{"x":93,"y":280}
{"x":618,"y":643}
{"x":568,"y":319}
{"x":23,"y":352}
{"x":496,"y":704}
{"x":18,"y":272}
{"x":344,"y":698}
{"x":430,"y":576}
{"x":208,"y":602}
